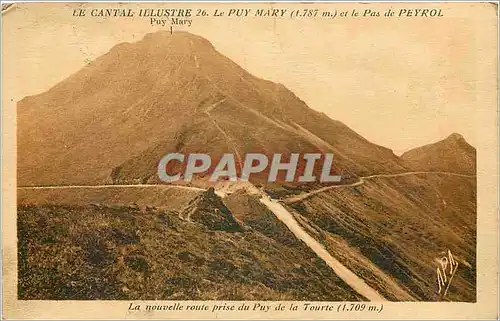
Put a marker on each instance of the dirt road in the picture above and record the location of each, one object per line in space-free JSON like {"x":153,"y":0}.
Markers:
{"x":344,"y":273}
{"x":110,"y":186}
{"x":361,"y":181}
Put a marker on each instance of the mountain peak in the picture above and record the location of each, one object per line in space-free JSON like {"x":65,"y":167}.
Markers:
{"x":452,"y":154}
{"x":455,"y":137}
{"x":177,"y":38}
{"x":173,"y":92}
{"x":164,"y":43}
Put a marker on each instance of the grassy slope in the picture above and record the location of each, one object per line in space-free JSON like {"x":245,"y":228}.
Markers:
{"x":99,"y":252}
{"x":164,"y":197}
{"x":402,"y":225}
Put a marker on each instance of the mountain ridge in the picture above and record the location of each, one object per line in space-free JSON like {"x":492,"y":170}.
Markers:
{"x":115,"y":118}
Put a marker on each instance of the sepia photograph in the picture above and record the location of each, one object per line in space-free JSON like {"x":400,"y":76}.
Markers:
{"x":241,"y":160}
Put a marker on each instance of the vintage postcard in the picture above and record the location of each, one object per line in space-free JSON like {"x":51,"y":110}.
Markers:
{"x":238,"y":160}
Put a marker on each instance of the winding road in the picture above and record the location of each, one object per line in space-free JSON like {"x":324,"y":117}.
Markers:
{"x":301,"y":197}
{"x":355,"y":282}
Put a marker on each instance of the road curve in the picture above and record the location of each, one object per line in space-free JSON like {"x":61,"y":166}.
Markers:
{"x":361,"y":181}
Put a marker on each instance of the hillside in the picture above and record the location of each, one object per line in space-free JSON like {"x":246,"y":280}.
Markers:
{"x":113,"y":120}
{"x":452,"y":154}
{"x":199,"y":252}
{"x":397,"y":229}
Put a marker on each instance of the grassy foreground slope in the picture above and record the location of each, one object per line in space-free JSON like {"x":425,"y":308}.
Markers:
{"x":161,"y":196}
{"x":200,"y":252}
